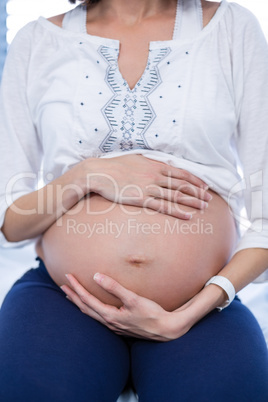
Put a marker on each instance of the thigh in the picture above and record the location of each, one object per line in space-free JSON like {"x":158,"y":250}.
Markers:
{"x":50,"y":351}
{"x":222,"y":358}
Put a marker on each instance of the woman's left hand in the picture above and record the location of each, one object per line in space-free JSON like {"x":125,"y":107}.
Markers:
{"x":138,"y":317}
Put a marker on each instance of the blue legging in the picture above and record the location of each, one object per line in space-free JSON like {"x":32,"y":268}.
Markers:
{"x":51,"y":352}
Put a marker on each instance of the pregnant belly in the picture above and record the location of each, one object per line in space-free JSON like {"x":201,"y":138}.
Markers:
{"x":165,"y":259}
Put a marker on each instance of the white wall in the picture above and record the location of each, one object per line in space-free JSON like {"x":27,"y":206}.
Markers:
{"x":23,"y":11}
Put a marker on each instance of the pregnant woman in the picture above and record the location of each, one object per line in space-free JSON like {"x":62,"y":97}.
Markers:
{"x":146,"y":122}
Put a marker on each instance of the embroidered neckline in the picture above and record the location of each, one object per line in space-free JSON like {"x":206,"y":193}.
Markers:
{"x":124,"y":129}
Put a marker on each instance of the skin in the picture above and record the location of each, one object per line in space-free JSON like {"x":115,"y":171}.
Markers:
{"x":135,"y":24}
{"x":139,"y":316}
{"x":141,"y":250}
{"x":20,"y":226}
{"x":143,"y":318}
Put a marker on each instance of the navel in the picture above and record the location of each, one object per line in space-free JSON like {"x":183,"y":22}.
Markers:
{"x":138,"y":259}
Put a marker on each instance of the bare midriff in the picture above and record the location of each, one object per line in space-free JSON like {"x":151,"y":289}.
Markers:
{"x":157,"y":256}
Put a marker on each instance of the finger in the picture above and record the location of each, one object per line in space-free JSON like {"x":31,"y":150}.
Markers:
{"x":111,"y":286}
{"x":182,"y":174}
{"x":75,"y":298}
{"x":187,"y":200}
{"x":184,"y":187}
{"x":102,"y":309}
{"x":167,"y":208}
{"x":109,"y":320}
{"x":178,"y":197}
{"x":84,"y":308}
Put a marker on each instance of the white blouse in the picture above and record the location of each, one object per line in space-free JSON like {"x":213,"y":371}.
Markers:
{"x":201,"y":105}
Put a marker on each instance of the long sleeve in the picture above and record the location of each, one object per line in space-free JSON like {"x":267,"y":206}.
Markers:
{"x":20,"y":146}
{"x":250,"y":66}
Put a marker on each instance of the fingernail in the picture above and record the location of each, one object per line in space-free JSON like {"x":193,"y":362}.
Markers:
{"x":209,"y":197}
{"x":67,"y":276}
{"x":187,"y":215}
{"x":98,"y":277}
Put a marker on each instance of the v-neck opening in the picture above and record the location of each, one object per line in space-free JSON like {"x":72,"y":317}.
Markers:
{"x":148,"y":62}
{"x":76,"y":22}
{"x":196,"y":14}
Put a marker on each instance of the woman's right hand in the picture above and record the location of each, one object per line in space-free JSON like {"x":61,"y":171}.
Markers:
{"x":139,"y":181}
